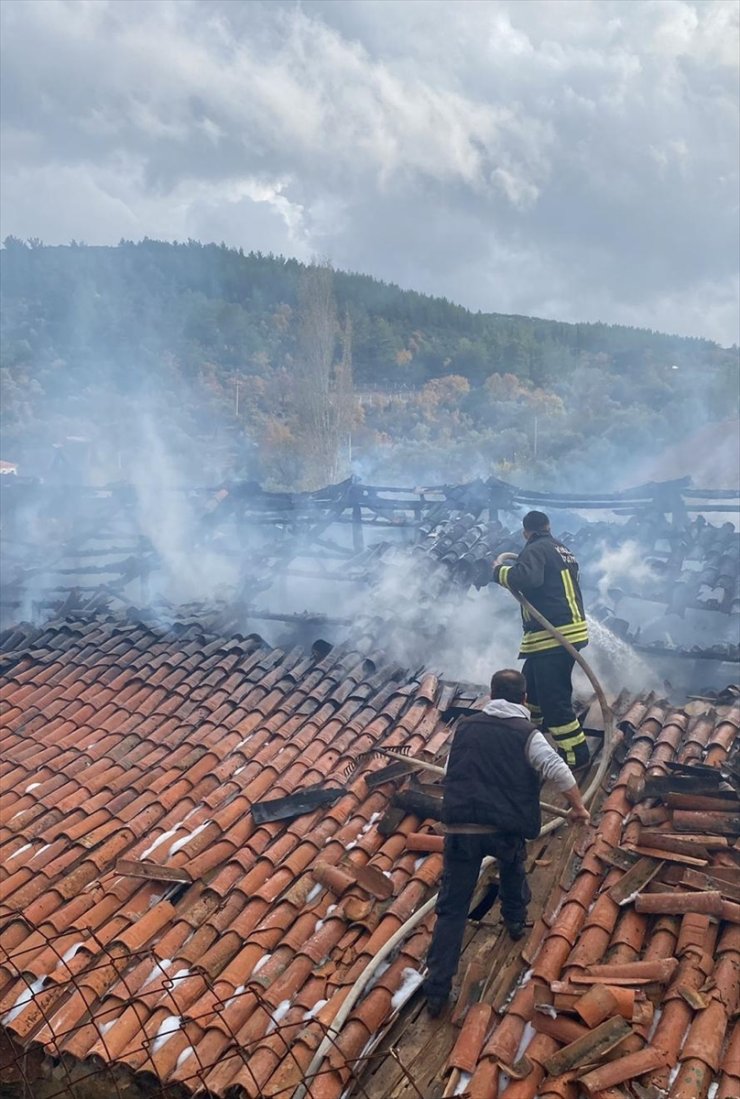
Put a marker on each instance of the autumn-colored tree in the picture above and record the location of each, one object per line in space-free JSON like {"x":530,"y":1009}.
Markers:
{"x":443,"y":393}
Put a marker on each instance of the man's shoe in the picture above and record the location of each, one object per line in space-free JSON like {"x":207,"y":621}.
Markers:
{"x":516,"y":931}
{"x":436,"y":1005}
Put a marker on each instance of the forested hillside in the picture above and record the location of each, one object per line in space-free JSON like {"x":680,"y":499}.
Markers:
{"x":203,"y":347}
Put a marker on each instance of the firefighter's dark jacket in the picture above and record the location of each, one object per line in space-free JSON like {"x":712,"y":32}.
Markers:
{"x":546,"y":572}
{"x":489,"y":779}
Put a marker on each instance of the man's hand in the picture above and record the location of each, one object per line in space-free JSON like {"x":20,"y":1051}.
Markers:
{"x":502,"y":559}
{"x":579,"y":814}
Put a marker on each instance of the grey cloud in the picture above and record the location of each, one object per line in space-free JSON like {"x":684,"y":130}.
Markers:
{"x":573,"y":160}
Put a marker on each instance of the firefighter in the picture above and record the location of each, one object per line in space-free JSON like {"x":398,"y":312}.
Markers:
{"x":546,"y":572}
{"x":497,"y":763}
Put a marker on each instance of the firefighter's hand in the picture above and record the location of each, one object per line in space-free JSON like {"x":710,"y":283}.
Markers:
{"x":500,"y":560}
{"x":579,"y":814}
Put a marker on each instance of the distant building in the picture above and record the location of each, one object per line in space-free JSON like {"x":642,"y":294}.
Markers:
{"x":8,"y":468}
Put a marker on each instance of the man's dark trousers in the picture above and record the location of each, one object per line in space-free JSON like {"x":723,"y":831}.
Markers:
{"x":550,"y":700}
{"x":462,"y":862}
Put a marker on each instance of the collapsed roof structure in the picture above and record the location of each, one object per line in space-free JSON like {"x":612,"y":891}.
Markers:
{"x":212,"y":885}
{"x":656,"y":571}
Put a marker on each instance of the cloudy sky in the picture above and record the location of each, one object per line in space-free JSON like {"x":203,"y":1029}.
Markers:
{"x":576,"y":160}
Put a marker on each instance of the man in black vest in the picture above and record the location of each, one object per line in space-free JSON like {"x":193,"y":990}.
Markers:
{"x":497,"y":764}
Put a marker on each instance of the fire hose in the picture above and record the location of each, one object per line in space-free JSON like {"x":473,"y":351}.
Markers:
{"x":368,"y":972}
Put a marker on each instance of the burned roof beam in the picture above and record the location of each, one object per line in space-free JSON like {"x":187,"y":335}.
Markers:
{"x":303,"y":617}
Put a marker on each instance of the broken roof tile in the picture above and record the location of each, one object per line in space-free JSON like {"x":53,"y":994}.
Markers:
{"x":210,"y":983}
{"x":126,"y":788}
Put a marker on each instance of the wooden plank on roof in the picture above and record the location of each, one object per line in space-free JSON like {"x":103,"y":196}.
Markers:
{"x":710,"y":881}
{"x":590,"y":1049}
{"x":617,"y":856}
{"x":133,"y":868}
{"x":635,"y":879}
{"x":668,"y":856}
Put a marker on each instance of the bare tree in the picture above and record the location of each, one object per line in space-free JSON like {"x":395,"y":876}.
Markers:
{"x":324,"y":399}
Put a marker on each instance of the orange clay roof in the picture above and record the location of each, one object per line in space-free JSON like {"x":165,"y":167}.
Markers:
{"x":130,"y":749}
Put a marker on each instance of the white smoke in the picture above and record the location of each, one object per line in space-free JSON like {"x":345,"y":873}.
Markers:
{"x":189,"y":570}
{"x":620,"y":565}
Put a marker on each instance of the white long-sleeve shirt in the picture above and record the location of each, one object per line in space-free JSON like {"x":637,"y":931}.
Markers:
{"x":544,"y":759}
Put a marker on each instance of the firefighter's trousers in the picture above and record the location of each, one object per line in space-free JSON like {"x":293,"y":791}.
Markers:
{"x":550,"y":701}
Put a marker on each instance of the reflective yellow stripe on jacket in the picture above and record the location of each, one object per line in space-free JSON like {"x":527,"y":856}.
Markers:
{"x":540,"y":640}
{"x":570,"y":595}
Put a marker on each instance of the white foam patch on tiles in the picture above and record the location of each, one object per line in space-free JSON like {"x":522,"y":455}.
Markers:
{"x":654,"y":1026}
{"x":167,"y":1028}
{"x":69,"y":954}
{"x":186,"y":839}
{"x":278,"y":1015}
{"x":31,"y":787}
{"x":355,"y":838}
{"x":529,"y":1033}
{"x":105,"y":1027}
{"x":19,"y":851}
{"x":410,"y":981}
{"x":384,"y":966}
{"x":317,"y":926}
{"x":237,"y":993}
{"x":184,"y":1056}
{"x":713,"y":1089}
{"x":369,"y":824}
{"x":370,"y":1046}
{"x":631,"y":898}
{"x":40,"y":851}
{"x":312,"y":1011}
{"x":314,"y":892}
{"x":161,"y":839}
{"x":462,"y":1084}
{"x":559,"y":905}
{"x":263,"y":961}
{"x":159,"y":969}
{"x":523,"y":980}
{"x":181,"y":975}
{"x":24,"y":998}
{"x":422,"y":859}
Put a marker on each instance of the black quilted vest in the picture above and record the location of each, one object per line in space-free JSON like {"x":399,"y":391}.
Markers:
{"x":489,"y":779}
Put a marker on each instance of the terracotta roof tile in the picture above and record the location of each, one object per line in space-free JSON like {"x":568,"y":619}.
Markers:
{"x":160,"y":761}
{"x":121,"y":710}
